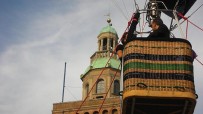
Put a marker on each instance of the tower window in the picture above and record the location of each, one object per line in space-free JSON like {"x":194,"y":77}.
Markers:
{"x":104,"y":44}
{"x":87,"y":89}
{"x":100,"y":86}
{"x":105,"y":112}
{"x":95,"y":112}
{"x":114,"y":111}
{"x":116,"y":88}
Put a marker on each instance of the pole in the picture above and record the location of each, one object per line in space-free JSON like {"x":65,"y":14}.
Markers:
{"x":64,"y":82}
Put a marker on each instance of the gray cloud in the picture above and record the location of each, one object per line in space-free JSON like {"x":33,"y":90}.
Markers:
{"x":31,"y":70}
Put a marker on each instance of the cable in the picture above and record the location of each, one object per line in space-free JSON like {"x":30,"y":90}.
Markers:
{"x":199,"y":61}
{"x":135,"y":3}
{"x":185,"y":18}
{"x":109,"y":88}
{"x":195,"y":11}
{"x":94,"y":84}
{"x":145,"y":6}
{"x":143,"y":27}
{"x":136,"y":6}
{"x":73,"y":87}
{"x":187,"y":30}
{"x":104,"y":66}
{"x":140,"y":28}
{"x":116,"y":4}
{"x":125,"y":8}
{"x":175,"y":26}
{"x":71,"y":94}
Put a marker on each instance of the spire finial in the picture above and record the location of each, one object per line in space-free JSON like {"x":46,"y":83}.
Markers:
{"x":109,"y":19}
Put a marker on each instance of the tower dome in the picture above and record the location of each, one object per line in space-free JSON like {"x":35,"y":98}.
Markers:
{"x":108,"y":28}
{"x":107,"y":41}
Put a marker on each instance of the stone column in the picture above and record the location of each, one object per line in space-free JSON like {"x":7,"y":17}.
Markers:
{"x":114,"y":44}
{"x":98,"y":43}
{"x":108,"y":44}
{"x":101,"y":46}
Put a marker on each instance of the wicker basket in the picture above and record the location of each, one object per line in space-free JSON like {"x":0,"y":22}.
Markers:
{"x":159,"y":69}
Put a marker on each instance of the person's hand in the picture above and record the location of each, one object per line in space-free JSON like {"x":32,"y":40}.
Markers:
{"x":124,"y":37}
{"x":137,"y":15}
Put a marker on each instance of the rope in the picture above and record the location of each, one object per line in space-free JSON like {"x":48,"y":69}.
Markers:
{"x":199,"y":61}
{"x":195,"y":26}
{"x":195,"y":11}
{"x":143,"y":24}
{"x":116,"y":4}
{"x":140,"y":28}
{"x":109,"y":88}
{"x":125,"y":8}
{"x":180,"y":88}
{"x":185,"y":18}
{"x":144,"y":86}
{"x":136,"y":5}
{"x":187,"y":29}
{"x":71,"y":94}
{"x":104,"y":69}
{"x":93,"y":86}
{"x":145,"y":6}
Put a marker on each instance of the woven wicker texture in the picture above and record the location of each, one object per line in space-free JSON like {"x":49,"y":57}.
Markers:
{"x":158,"y":66}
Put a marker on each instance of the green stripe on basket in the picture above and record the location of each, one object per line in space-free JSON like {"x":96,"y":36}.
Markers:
{"x":153,"y":66}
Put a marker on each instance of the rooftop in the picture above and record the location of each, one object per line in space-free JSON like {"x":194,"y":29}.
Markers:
{"x":108,"y":28}
{"x":101,"y":63}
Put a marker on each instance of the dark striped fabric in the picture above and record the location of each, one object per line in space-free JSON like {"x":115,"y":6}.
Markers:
{"x":158,"y":57}
{"x":172,"y":76}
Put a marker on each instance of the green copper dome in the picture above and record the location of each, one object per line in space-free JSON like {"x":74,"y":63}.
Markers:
{"x":108,"y":28}
{"x":101,"y":62}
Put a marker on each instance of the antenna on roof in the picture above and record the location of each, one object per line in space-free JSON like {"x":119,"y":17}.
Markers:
{"x":64,"y":82}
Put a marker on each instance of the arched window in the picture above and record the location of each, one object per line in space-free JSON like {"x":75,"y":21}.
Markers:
{"x":100,"y":86}
{"x":95,"y":112}
{"x":105,"y":112}
{"x":114,"y":111}
{"x":116,"y":87}
{"x":86,"y":113}
{"x":87,"y":89}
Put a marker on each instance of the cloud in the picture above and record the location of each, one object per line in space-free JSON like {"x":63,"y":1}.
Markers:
{"x":32,"y":66}
{"x":32,"y":70}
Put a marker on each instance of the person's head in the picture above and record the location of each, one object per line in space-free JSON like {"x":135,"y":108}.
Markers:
{"x":156,"y":23}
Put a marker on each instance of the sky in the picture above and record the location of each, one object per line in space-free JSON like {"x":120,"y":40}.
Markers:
{"x":37,"y":37}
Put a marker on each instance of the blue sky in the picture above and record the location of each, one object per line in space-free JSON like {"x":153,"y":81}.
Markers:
{"x":18,"y":15}
{"x":38,"y":36}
